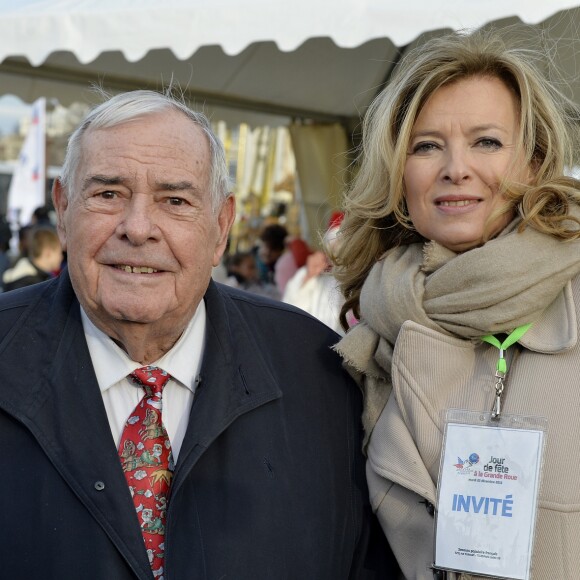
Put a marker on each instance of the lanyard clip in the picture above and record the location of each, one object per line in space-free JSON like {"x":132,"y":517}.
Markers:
{"x":499,"y":387}
{"x":501,"y":368}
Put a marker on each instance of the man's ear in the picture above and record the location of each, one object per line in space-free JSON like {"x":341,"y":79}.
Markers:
{"x":60,"y":202}
{"x":225,"y":220}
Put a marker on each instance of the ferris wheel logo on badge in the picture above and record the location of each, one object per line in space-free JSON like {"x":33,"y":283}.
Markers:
{"x":465,"y":465}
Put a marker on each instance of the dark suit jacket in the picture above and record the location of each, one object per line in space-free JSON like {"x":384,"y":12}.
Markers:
{"x":269,"y":484}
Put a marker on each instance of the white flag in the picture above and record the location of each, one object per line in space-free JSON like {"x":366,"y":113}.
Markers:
{"x":27,"y":188}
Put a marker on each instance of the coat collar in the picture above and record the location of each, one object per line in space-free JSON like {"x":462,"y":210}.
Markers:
{"x":557,"y":328}
{"x":58,"y":399}
{"x":235,"y":378}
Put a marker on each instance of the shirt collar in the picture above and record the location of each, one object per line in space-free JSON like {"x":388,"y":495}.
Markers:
{"x":182,"y":362}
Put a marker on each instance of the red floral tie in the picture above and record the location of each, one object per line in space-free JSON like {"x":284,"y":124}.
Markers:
{"x":145,"y":453}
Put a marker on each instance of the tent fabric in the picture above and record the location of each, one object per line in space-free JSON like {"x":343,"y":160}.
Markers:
{"x":36,"y":28}
{"x":322,"y":167}
{"x":318,"y":59}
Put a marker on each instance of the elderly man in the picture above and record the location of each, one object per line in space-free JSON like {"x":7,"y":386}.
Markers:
{"x":153,"y":423}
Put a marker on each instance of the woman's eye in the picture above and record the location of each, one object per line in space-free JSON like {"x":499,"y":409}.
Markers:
{"x":425,"y":147}
{"x":489,"y":143}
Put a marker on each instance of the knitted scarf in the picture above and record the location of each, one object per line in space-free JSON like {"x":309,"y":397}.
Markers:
{"x":507,"y":282}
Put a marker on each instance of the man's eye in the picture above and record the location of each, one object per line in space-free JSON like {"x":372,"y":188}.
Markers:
{"x":107,"y":194}
{"x":176,"y":201}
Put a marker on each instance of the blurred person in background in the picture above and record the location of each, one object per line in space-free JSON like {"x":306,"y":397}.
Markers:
{"x":294,"y":257}
{"x":243,"y":274}
{"x":313,"y":287}
{"x":43,"y":215}
{"x":5,"y":236}
{"x":271,"y":245}
{"x":42,"y":262}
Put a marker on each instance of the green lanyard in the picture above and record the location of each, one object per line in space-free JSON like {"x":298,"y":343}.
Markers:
{"x":501,"y":367}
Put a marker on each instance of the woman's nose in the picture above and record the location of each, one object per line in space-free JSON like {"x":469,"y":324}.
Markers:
{"x":456,"y":167}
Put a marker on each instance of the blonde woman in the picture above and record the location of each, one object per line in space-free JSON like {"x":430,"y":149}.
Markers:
{"x":461,"y":225}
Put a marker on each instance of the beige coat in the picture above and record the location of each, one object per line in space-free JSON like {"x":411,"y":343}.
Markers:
{"x":433,"y":373}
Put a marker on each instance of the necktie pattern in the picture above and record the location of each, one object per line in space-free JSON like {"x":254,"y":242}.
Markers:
{"x":145,"y":453}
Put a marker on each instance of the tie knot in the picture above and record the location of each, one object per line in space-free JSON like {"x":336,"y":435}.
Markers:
{"x":153,"y":379}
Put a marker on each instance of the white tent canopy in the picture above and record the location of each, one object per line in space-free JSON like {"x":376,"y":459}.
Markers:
{"x":37,"y":28}
{"x":319,"y":59}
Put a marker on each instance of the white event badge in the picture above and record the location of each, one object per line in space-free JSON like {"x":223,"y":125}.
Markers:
{"x":489,"y":481}
{"x":488,"y":488}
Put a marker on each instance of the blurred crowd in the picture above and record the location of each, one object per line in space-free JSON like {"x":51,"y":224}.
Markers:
{"x":38,"y":256}
{"x":284,"y":267}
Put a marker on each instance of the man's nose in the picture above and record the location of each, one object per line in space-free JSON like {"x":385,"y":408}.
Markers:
{"x":138,"y":222}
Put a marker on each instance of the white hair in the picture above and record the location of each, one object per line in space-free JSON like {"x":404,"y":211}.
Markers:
{"x":136,"y":104}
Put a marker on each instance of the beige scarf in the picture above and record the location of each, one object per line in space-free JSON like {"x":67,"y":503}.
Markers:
{"x":505,"y":283}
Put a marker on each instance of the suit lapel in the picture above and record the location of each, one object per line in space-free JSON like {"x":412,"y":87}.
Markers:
{"x":64,"y":411}
{"x":235,"y":379}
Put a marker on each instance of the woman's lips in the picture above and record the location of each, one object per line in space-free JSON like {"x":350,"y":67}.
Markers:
{"x":456,"y":202}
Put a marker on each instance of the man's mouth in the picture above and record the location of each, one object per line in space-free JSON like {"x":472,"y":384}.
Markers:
{"x":136,"y":269}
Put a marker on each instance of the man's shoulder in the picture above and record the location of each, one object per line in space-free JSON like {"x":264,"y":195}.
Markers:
{"x":16,"y":306}
{"x":297,"y":348}
{"x":289,"y":340}
{"x":261,"y":309}
{"x":21,"y":298}
{"x":251,"y":299}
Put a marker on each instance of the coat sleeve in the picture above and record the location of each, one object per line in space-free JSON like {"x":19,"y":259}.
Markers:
{"x":372,"y":557}
{"x":406,"y":523}
{"x":400,"y":489}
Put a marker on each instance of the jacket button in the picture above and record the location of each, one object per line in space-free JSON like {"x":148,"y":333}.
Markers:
{"x":99,"y":485}
{"x":429,"y":507}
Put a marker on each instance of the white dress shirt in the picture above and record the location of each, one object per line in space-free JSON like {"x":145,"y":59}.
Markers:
{"x":120,"y":395}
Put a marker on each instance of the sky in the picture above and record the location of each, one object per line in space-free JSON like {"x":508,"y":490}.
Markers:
{"x":12,"y":109}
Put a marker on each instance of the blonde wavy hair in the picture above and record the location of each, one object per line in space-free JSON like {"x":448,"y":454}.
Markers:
{"x":375,"y":211}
